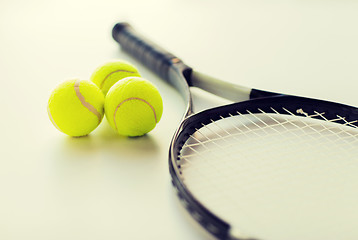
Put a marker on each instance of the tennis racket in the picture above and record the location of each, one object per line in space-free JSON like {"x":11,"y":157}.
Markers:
{"x":269,"y":166}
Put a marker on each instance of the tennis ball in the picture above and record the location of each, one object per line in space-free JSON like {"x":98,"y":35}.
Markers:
{"x":76,"y":107}
{"x":133,"y":106}
{"x":110,"y":73}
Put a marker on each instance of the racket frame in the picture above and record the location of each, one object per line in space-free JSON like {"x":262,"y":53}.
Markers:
{"x":182,"y":77}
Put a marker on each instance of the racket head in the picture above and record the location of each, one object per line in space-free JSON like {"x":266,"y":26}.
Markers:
{"x":320,"y":112}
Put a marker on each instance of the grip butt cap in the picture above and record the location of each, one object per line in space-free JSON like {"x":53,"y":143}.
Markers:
{"x":118,"y":28}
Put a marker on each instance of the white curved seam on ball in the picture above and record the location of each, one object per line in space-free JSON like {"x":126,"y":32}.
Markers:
{"x":129,"y":99}
{"x":51,"y":118}
{"x":86,"y":104}
{"x":102,"y":83}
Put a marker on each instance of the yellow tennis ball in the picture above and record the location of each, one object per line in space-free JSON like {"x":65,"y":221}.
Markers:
{"x":110,"y":73}
{"x":133,"y":106}
{"x":76,"y":107}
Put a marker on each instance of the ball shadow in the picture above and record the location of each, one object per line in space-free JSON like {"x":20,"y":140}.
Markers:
{"x":106,"y":142}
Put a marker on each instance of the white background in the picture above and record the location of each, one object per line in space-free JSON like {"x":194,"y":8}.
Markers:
{"x":110,"y":187}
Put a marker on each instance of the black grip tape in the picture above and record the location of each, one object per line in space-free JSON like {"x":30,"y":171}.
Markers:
{"x":150,"y":54}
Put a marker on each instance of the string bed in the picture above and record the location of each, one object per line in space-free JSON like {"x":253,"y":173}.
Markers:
{"x":277,"y":176}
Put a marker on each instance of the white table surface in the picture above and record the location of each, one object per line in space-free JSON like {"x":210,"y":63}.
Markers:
{"x":110,"y":187}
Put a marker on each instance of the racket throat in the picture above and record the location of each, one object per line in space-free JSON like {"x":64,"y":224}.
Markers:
{"x":230,"y":91}
{"x":255,"y":93}
{"x":222,"y":89}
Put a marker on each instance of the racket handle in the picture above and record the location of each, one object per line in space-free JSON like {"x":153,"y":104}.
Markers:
{"x":154,"y":57}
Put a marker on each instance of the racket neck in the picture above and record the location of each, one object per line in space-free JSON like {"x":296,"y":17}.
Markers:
{"x":179,"y":76}
{"x":256,"y":93}
{"x":232,"y":92}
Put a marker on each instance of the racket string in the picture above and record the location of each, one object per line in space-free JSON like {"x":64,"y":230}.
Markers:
{"x":271,"y":126}
{"x":202,"y":143}
{"x":322,"y":116}
{"x":215,"y":155}
{"x":325,"y":127}
{"x":222,"y":149}
{"x":225,"y":162}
